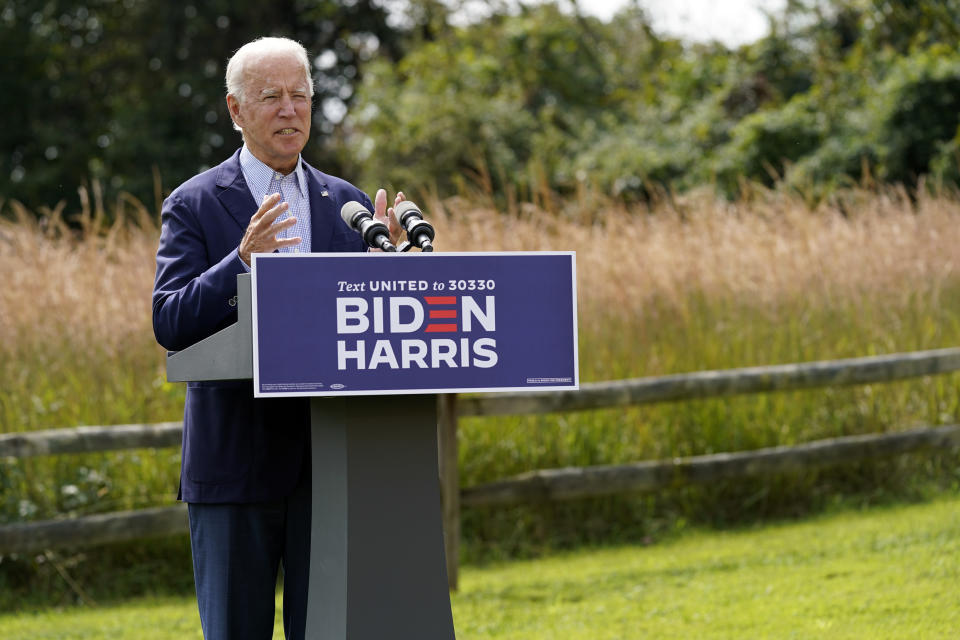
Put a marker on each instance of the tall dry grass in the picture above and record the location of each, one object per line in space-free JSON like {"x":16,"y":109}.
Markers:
{"x":76,"y":349}
{"x":695,"y":282}
{"x":750,"y":270}
{"x":769,"y":249}
{"x":74,"y":311}
{"x":690,"y":282}
{"x":77,"y":296}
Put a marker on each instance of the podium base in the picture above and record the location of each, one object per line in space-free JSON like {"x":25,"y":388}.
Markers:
{"x":377,"y":567}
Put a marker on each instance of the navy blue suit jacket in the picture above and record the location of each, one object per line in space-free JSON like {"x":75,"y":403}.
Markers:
{"x":235,"y":448}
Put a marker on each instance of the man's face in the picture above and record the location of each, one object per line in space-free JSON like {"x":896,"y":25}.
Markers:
{"x":275,"y":112}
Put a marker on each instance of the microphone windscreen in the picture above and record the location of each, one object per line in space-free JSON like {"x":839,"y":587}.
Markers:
{"x":350,"y":210}
{"x":405,"y":209}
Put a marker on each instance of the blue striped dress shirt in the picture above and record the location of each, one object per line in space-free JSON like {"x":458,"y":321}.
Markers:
{"x":263,"y":181}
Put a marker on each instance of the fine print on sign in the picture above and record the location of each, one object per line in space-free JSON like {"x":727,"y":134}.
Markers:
{"x":353,"y":324}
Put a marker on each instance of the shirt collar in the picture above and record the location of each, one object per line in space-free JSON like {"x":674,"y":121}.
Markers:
{"x":259,"y":175}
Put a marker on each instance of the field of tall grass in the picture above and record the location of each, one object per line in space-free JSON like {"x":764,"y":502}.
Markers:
{"x":686,"y":283}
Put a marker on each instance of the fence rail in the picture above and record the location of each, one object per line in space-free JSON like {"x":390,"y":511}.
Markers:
{"x":582,"y":482}
{"x":714,"y":384}
{"x":542,"y":485}
{"x":549,"y":484}
{"x":87,"y":531}
{"x":51,"y":442}
{"x":596,"y":395}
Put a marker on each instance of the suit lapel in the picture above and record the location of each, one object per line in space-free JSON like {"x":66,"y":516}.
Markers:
{"x":323,"y":211}
{"x":235,"y":195}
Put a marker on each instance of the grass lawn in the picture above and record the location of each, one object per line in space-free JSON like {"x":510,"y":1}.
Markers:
{"x":884,"y":573}
{"x":889,"y":573}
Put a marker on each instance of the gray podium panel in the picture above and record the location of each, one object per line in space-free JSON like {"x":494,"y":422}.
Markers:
{"x":226,"y":355}
{"x":377,"y":567}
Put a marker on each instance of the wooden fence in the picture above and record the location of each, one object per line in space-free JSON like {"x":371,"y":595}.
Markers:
{"x":549,"y":484}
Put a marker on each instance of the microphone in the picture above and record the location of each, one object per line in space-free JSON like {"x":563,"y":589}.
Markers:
{"x":374,"y":232}
{"x":420,"y":233}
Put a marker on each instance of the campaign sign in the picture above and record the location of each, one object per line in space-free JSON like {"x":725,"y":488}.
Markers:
{"x":382,"y":323}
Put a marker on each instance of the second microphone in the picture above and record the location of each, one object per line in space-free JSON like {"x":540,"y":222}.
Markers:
{"x":374,"y":233}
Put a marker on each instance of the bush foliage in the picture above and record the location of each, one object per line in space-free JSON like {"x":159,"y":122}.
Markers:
{"x":547,"y":99}
{"x":524,"y":102}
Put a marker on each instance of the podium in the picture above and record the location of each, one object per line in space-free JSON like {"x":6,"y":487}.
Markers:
{"x":377,"y":565}
{"x":371,"y":344}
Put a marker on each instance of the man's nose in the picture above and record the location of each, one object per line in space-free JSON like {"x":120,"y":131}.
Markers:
{"x":286,"y":105}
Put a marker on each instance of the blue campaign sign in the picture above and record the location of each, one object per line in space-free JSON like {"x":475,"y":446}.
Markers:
{"x":382,"y":323}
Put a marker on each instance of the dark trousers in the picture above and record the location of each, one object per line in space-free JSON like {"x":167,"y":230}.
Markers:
{"x":238,"y":550}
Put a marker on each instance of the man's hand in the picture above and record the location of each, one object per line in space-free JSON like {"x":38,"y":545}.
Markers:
{"x":261,"y":233}
{"x":387,"y":216}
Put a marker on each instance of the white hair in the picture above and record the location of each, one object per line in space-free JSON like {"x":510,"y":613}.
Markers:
{"x":260,"y":48}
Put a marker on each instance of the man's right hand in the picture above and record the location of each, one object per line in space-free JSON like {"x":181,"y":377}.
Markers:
{"x":261,"y":233}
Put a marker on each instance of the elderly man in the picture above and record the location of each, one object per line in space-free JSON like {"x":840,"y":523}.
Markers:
{"x":245,"y":463}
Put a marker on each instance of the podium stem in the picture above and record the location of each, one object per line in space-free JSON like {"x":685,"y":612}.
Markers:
{"x":449,"y":451}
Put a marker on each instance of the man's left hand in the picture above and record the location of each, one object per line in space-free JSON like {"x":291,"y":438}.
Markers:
{"x":387,"y":216}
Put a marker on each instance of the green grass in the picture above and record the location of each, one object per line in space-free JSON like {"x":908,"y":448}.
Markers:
{"x":888,"y":573}
{"x":884,"y":573}
{"x":144,"y":619}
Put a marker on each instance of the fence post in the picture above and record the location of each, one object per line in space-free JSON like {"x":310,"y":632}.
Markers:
{"x":449,"y":482}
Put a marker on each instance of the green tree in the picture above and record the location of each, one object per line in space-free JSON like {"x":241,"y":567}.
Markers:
{"x":508,"y":101}
{"x":119,"y":92}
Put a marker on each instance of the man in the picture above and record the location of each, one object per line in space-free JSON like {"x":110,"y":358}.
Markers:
{"x":245,"y":463}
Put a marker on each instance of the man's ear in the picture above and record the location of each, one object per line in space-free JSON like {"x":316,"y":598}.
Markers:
{"x":233,"y":106}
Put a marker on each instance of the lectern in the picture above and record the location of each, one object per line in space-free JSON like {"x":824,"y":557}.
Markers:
{"x":377,"y":566}
{"x":371,"y":353}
